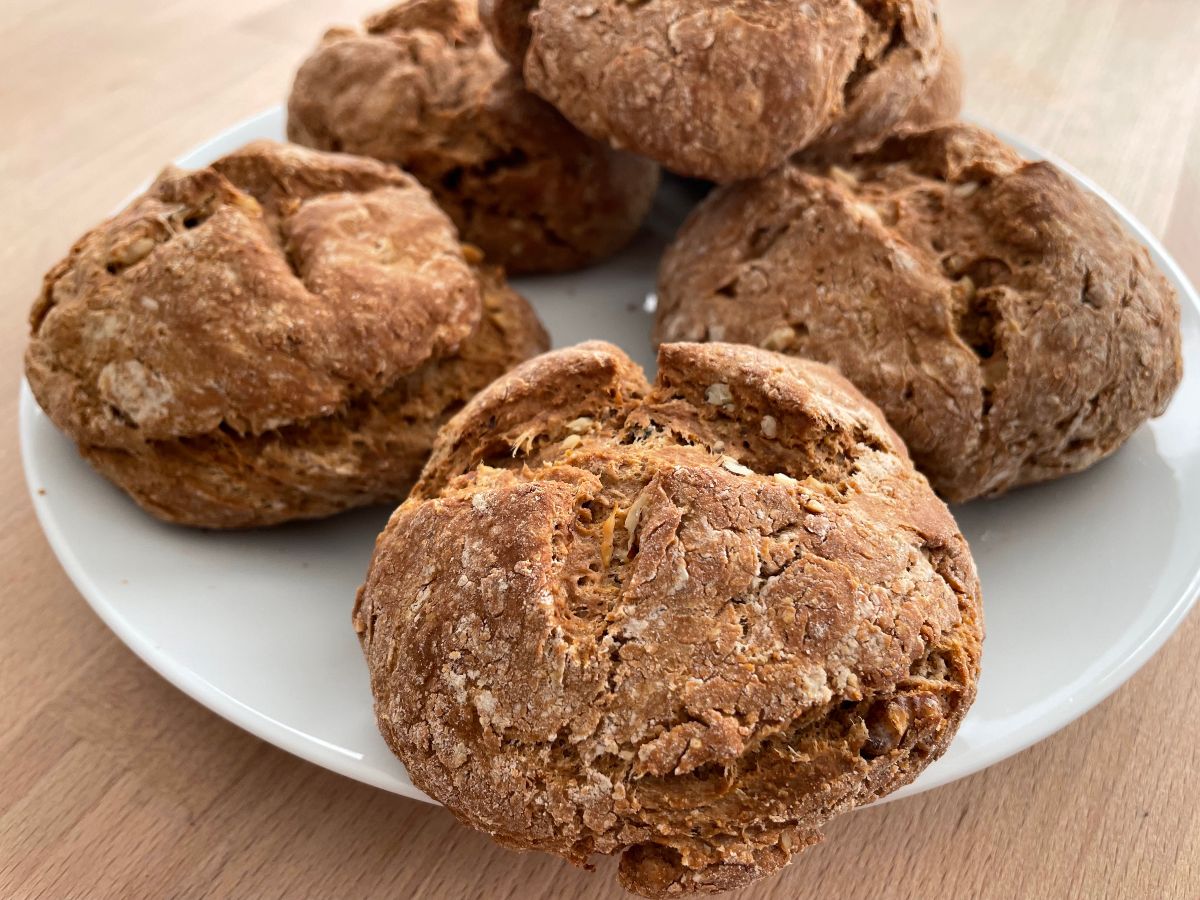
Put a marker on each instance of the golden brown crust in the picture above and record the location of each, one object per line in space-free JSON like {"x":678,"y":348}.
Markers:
{"x":613,"y":627}
{"x":770,"y":78}
{"x":261,"y":340}
{"x":422,"y":87}
{"x":1008,"y":326}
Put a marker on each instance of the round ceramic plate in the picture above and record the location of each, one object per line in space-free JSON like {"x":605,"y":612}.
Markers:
{"x":1083,"y":579}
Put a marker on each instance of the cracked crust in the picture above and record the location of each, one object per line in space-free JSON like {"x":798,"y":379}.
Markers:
{"x":772,"y":78}
{"x":909,"y":90}
{"x":942,"y":100}
{"x":686,"y":622}
{"x":276,"y":336}
{"x":999,"y":314}
{"x":422,"y":87}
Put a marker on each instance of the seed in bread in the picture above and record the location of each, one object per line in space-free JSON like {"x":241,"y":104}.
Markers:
{"x":422,"y":86}
{"x":275,"y":336}
{"x":1008,"y":326}
{"x":722,"y":90}
{"x":685,"y":623}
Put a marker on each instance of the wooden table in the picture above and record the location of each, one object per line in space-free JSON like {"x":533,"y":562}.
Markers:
{"x":114,"y":784}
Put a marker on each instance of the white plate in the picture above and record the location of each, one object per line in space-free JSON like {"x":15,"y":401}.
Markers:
{"x":1083,"y":578}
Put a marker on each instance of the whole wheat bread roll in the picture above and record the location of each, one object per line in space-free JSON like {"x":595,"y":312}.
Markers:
{"x":730,"y":89}
{"x":685,"y":623}
{"x":276,"y":336}
{"x":999,"y":314}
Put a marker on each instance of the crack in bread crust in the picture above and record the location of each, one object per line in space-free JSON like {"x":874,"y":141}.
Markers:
{"x":1010,"y":329}
{"x":608,"y":627}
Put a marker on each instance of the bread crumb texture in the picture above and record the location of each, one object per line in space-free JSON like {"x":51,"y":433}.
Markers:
{"x":622,"y":618}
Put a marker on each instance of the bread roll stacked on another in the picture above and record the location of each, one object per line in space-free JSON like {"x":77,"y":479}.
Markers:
{"x":277,"y":336}
{"x":729,"y":90}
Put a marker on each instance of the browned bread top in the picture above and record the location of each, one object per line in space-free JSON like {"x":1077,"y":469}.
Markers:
{"x":722,"y":90}
{"x":684,"y":622}
{"x":422,"y":86}
{"x":266,"y":289}
{"x":999,"y":314}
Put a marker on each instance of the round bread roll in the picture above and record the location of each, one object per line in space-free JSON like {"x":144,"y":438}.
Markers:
{"x":999,"y":314}
{"x":423,"y":87}
{"x":686,"y":623}
{"x":723,"y":90}
{"x":277,"y":336}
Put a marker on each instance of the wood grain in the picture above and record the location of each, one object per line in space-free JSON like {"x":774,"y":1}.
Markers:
{"x":113,"y":784}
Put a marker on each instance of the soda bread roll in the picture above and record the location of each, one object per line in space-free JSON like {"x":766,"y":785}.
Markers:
{"x":276,"y":336}
{"x":1001,"y":317}
{"x":422,"y":86}
{"x":685,"y":623}
{"x":723,"y":90}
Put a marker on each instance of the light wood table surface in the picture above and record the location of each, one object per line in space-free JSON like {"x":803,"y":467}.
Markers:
{"x":114,"y":784}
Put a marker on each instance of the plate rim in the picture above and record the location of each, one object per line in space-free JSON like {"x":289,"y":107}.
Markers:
{"x":342,"y":761}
